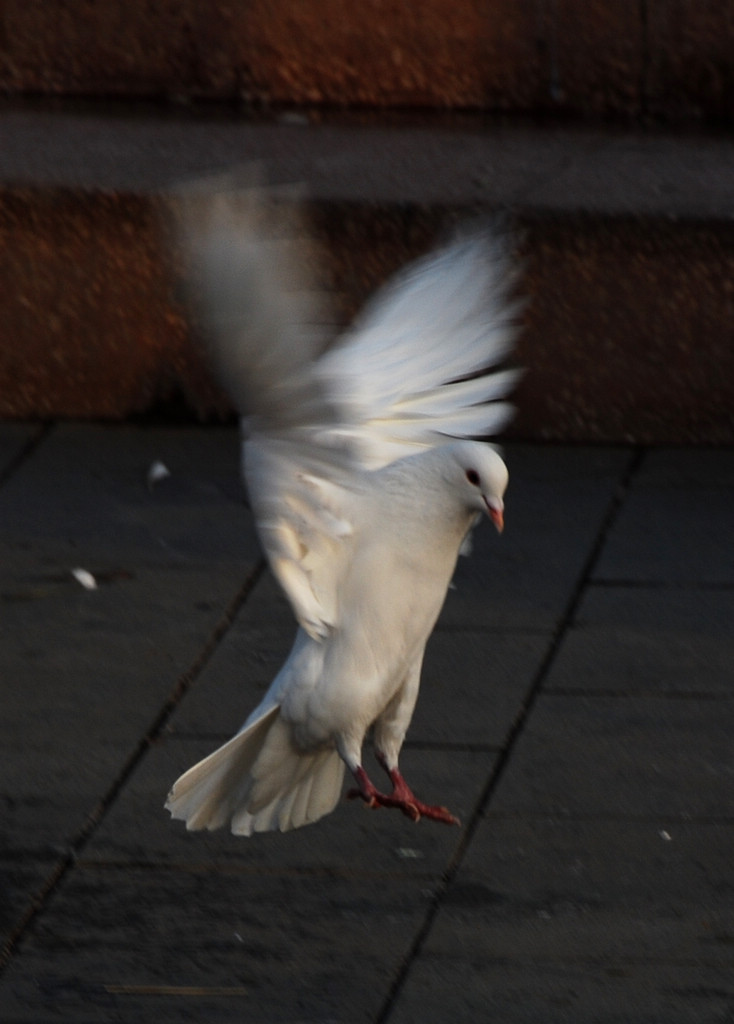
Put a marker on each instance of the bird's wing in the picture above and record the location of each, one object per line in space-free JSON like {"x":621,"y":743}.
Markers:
{"x":306,"y":509}
{"x":250,"y":274}
{"x":249,"y":267}
{"x":414,"y":368}
{"x":421,"y":362}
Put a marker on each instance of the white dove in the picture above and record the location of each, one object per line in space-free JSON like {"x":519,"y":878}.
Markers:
{"x":363,"y":483}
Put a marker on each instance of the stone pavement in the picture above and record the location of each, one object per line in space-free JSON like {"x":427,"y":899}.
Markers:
{"x":576,"y":712}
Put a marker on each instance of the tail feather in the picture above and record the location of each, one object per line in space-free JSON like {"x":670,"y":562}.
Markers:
{"x":259,"y":782}
{"x":312,"y":792}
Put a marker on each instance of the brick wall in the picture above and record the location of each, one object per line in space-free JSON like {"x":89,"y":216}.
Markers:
{"x":672,"y":59}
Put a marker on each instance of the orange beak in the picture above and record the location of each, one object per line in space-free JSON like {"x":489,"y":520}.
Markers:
{"x":496,"y":515}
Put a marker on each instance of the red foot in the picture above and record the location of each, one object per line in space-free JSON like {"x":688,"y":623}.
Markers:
{"x":401,"y":797}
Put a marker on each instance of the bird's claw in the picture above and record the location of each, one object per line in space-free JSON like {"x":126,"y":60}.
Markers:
{"x":401,"y":798}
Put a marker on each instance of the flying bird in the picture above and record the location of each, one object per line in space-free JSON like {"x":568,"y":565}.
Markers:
{"x":364,"y":478}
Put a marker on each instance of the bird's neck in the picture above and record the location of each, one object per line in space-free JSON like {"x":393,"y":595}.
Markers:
{"x":418,"y":487}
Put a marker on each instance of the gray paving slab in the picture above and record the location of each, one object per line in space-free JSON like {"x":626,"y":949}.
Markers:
{"x":606,"y":921}
{"x":676,"y":525}
{"x":642,"y":756}
{"x":473,"y":687}
{"x":687,"y":468}
{"x":548,"y":888}
{"x":13,"y":437}
{"x":291,"y":949}
{"x":84,"y":496}
{"x":242,"y":668}
{"x":649,"y":638}
{"x":462,"y":987}
{"x":84,"y":673}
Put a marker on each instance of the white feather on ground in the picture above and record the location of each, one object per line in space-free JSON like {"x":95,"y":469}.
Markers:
{"x":364,"y":483}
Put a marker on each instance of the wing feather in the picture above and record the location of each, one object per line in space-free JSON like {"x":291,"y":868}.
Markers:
{"x":249,"y":264}
{"x":428,"y":345}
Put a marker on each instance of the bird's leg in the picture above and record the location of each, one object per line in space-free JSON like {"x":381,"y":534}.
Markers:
{"x":402,"y":796}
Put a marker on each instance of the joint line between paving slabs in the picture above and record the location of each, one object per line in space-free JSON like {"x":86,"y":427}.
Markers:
{"x":27,"y":450}
{"x":613,"y":509}
{"x":96,"y":816}
{"x":180,"y":689}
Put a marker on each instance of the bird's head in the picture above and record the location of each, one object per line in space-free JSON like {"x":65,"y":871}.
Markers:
{"x":481,"y":476}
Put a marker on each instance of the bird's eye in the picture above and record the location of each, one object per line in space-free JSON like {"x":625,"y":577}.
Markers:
{"x":473,"y":477}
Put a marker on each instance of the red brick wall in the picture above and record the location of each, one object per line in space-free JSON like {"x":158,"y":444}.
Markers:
{"x":670,"y":58}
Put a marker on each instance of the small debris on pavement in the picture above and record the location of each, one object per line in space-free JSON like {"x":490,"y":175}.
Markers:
{"x":158,"y":471}
{"x":84,"y":577}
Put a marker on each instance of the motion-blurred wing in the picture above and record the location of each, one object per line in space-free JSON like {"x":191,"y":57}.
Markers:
{"x":421,"y":362}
